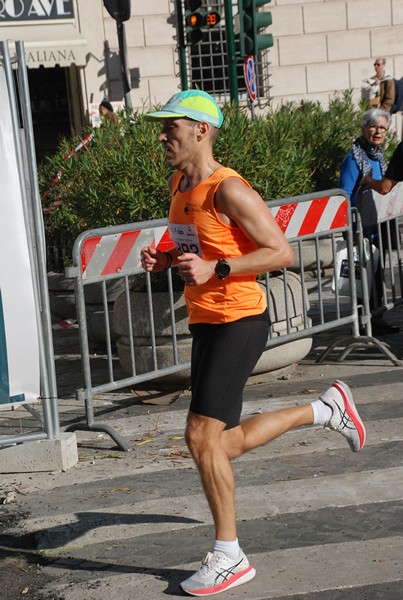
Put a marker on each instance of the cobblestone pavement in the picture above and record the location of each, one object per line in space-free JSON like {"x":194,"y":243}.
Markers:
{"x":317,"y":521}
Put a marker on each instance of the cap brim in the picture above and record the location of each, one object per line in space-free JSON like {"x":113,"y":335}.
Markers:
{"x":163,"y":114}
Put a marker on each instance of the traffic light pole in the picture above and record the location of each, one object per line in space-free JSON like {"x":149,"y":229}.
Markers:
{"x":232,"y":60}
{"x":120,"y":11}
{"x":181,"y":46}
{"x":123,"y":61}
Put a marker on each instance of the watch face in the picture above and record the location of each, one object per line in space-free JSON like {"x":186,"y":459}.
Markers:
{"x":222,"y":269}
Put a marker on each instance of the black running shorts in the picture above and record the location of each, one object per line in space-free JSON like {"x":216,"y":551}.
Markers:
{"x":223,"y":358}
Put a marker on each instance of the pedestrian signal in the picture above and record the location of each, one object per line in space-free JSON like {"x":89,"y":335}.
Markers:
{"x":196,"y":18}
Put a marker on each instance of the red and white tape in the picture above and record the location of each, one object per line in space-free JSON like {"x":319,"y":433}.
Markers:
{"x":57,"y":202}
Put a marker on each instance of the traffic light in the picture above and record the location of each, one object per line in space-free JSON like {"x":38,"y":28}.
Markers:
{"x":118,"y":9}
{"x":250,"y":21}
{"x":196,"y":18}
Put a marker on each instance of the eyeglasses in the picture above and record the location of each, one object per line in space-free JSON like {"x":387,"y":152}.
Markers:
{"x":378,"y":64}
{"x":380,"y":128}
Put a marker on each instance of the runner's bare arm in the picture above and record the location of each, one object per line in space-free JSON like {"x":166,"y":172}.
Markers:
{"x":244,"y":207}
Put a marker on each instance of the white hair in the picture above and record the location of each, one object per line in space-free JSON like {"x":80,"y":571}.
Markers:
{"x":372,"y":117}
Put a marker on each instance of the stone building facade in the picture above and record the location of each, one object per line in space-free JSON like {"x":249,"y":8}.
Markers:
{"x":325,"y":46}
{"x":321,"y":47}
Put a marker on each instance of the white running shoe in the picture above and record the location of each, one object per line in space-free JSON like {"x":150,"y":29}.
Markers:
{"x":218,"y":573}
{"x":345,"y":418}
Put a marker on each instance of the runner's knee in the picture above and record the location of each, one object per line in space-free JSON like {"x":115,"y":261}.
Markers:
{"x":202,"y":434}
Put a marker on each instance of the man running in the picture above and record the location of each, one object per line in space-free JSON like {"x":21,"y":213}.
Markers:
{"x":224,"y":235}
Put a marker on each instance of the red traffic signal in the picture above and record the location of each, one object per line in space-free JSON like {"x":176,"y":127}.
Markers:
{"x":203,"y":19}
{"x":197,"y":18}
{"x":213,"y":18}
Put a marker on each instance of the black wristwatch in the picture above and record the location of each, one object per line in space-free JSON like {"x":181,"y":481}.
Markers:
{"x":222,"y":269}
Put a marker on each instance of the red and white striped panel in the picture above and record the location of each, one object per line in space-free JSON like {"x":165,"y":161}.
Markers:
{"x":313,"y":216}
{"x":120,"y":253}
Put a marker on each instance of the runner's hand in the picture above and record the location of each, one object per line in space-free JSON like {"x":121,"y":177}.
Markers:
{"x":194,"y":270}
{"x":153,"y":259}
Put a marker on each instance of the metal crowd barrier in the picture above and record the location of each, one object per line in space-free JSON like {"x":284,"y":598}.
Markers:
{"x":313,"y":223}
{"x":378,"y":256}
{"x":378,"y":219}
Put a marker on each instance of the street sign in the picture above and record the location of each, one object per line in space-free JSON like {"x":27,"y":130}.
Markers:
{"x":249,"y":74}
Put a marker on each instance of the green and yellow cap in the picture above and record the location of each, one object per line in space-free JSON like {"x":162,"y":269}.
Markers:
{"x":193,"y":104}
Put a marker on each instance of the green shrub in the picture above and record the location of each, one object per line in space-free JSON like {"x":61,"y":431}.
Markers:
{"x":120,"y":176}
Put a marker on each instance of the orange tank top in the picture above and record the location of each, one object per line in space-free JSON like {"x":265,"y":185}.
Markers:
{"x":195,"y":226}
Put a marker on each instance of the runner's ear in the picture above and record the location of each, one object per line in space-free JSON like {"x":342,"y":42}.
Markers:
{"x":203,"y":129}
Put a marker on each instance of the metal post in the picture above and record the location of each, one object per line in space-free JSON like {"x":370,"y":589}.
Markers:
{"x":231,"y":56}
{"x":123,"y":61}
{"x":50,"y":385}
{"x":251,"y":105}
{"x":35,"y":247}
{"x":181,"y":45}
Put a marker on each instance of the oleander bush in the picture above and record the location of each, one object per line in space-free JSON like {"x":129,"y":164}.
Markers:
{"x":120,"y":176}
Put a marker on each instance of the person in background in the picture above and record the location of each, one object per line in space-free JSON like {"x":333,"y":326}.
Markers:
{"x":106,"y":112}
{"x":394,"y":174}
{"x":366,"y":158}
{"x":380,"y":87}
{"x":224,"y":235}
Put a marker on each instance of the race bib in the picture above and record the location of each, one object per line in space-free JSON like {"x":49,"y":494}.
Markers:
{"x":185,"y":238}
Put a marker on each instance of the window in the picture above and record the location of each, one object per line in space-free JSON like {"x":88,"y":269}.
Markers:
{"x":207,"y":62}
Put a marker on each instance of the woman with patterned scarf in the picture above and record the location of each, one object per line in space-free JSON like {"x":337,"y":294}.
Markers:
{"x":366,"y":154}
{"x":366,"y":158}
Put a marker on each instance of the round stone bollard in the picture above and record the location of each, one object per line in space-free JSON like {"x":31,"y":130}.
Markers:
{"x":273,"y":359}
{"x":143,"y":351}
{"x":309,"y":259}
{"x":61,"y":296}
{"x":63,"y":304}
{"x":290,"y":353}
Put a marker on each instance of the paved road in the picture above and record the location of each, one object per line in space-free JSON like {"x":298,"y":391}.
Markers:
{"x":317,"y":521}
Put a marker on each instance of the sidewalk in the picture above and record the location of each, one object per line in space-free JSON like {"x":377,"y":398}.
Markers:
{"x":318,"y":522}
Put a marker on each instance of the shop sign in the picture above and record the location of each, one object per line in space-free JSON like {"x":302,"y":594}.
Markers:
{"x":35,"y":10}
{"x":52,"y":56}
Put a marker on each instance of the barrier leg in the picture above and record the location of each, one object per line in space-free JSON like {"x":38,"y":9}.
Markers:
{"x":123,"y":445}
{"x":353,"y":343}
{"x":90,"y":424}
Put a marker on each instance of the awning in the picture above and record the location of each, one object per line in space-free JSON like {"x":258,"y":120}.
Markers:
{"x":48,"y":45}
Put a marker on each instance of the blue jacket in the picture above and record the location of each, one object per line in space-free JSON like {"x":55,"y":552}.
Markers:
{"x":350,"y":176}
